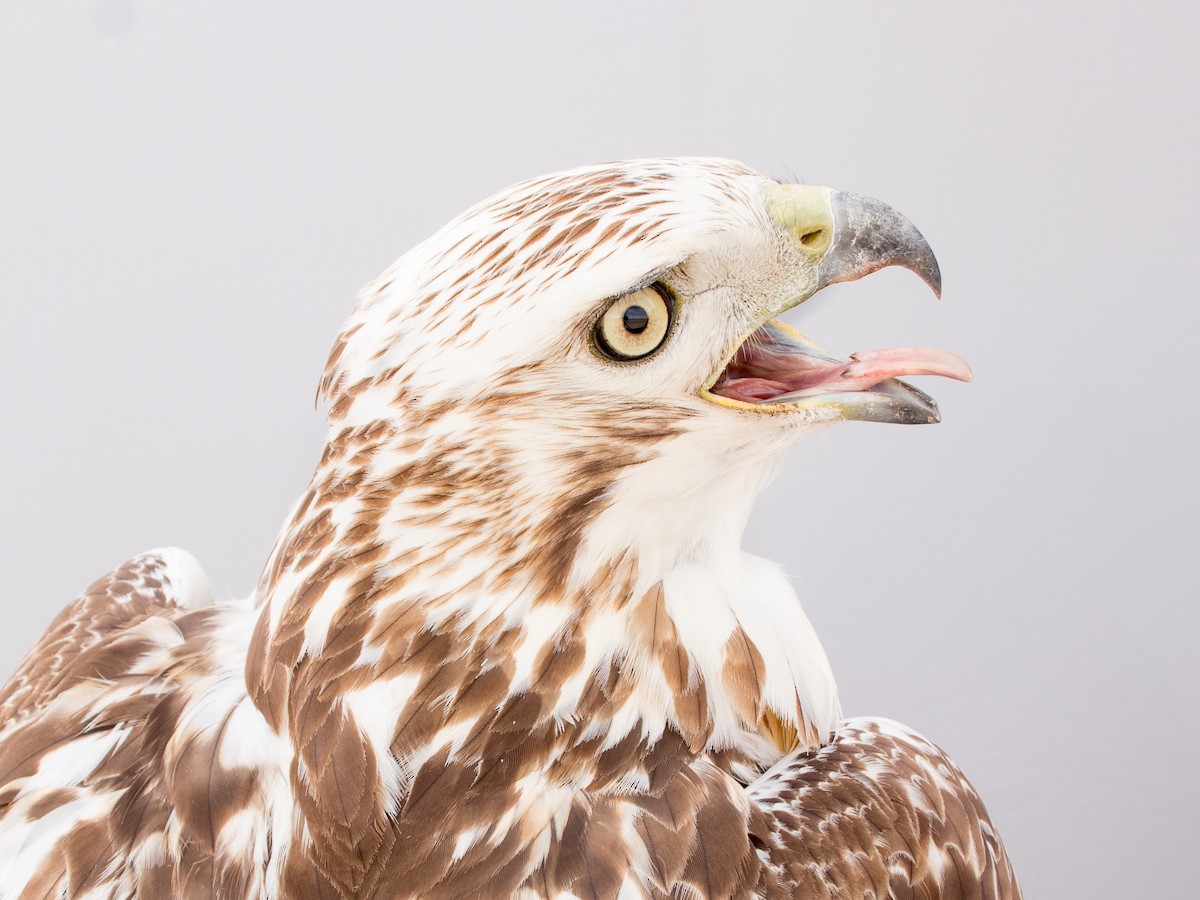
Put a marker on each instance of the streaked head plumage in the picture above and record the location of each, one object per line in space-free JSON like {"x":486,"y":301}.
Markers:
{"x":493,"y":327}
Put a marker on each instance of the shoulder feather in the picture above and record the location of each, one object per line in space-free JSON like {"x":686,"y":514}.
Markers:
{"x":158,"y":582}
{"x":880,"y":812}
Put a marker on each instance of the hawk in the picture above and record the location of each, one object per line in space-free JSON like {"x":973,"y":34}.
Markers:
{"x":507,"y":642}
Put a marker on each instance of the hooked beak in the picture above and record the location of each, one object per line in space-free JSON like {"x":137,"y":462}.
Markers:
{"x":776,"y":369}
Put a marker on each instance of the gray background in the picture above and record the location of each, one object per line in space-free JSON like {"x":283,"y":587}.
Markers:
{"x":191,"y":195}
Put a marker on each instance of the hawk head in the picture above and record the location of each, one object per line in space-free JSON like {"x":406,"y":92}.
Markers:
{"x":605,"y":342}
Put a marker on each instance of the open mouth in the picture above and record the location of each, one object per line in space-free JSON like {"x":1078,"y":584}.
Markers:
{"x":776,"y":369}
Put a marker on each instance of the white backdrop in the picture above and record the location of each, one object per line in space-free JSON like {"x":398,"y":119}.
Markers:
{"x":191,"y":194}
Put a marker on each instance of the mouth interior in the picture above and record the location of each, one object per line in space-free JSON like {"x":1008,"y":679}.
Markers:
{"x":775,"y":365}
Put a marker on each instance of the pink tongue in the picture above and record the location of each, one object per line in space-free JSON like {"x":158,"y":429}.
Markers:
{"x":870,"y":367}
{"x":792,"y":374}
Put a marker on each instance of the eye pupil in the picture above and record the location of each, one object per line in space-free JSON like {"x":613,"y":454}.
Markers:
{"x":635,"y":320}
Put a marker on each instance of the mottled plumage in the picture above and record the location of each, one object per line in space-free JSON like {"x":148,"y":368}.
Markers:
{"x":507,"y":642}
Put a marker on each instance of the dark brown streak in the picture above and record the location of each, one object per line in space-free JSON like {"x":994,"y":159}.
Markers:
{"x":654,"y":855}
{"x":708,"y":889}
{"x":212,"y":765}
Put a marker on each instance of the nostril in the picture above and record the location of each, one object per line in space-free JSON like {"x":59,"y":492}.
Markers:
{"x":812,"y":238}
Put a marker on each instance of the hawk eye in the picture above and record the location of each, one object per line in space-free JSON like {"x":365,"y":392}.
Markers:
{"x":636,"y":324}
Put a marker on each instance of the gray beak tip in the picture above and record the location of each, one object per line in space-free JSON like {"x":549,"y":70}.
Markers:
{"x":870,"y":235}
{"x":932,"y":276}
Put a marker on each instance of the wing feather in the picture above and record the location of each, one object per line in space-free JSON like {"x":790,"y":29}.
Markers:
{"x":86,"y":720}
{"x":880,"y":812}
{"x":152,"y":584}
